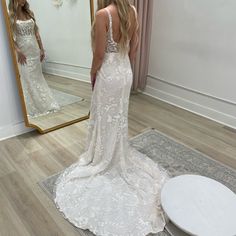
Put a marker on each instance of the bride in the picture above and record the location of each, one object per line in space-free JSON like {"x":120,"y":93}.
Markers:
{"x":39,"y":99}
{"x":113,"y":189}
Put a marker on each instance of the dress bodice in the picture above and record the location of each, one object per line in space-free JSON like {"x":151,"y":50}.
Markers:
{"x":25,"y":28}
{"x":24,"y":35}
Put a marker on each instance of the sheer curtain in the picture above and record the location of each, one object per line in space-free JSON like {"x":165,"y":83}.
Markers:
{"x":140,"y":67}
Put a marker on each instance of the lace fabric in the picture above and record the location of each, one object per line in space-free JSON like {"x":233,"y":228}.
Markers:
{"x":38,"y":97}
{"x":113,"y":190}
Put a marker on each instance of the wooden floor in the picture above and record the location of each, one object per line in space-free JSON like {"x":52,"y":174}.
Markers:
{"x":25,"y":210}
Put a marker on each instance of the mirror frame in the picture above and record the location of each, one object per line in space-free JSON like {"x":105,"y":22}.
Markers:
{"x":17,"y":74}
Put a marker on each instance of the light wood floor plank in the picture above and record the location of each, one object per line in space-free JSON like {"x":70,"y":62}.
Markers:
{"x":6,"y":166}
{"x":27,"y":207}
{"x":10,"y":223}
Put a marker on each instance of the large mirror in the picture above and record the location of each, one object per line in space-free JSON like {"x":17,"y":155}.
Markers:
{"x":50,"y":42}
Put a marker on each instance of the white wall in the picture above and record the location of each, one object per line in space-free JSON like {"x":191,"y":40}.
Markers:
{"x":65,"y":33}
{"x":11,"y":119}
{"x":193,"y":55}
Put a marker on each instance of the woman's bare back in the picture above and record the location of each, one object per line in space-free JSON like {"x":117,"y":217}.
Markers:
{"x":116,"y":22}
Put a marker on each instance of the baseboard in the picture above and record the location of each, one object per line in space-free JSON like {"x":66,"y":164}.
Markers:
{"x":13,"y":130}
{"x":68,"y":71}
{"x":218,"y":110}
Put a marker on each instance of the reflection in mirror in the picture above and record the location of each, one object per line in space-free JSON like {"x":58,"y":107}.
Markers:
{"x":52,"y":47}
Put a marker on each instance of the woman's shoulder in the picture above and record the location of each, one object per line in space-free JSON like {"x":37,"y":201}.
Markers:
{"x":101,"y":13}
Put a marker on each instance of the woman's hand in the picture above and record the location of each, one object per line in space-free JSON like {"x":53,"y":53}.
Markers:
{"x":42,"y":55}
{"x":21,"y":58}
{"x":93,"y":78}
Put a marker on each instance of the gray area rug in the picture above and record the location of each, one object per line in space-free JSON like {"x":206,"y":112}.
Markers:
{"x":65,"y":98}
{"x":177,"y":159}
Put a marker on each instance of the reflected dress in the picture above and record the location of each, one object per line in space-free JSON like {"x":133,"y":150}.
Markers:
{"x":113,"y":190}
{"x":38,"y":97}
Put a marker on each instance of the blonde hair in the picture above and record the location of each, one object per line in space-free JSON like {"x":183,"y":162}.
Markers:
{"x":12,"y":7}
{"x":123,"y":8}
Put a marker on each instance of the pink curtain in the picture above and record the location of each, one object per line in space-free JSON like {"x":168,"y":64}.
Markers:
{"x":140,"y":67}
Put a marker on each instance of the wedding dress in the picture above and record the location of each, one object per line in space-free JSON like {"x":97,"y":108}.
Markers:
{"x":113,"y":190}
{"x":38,"y":97}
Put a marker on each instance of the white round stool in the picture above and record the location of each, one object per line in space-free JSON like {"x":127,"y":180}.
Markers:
{"x":200,"y":206}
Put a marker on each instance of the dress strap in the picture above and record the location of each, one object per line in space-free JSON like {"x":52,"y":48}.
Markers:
{"x":136,"y":16}
{"x":135,"y":11}
{"x":110,"y":23}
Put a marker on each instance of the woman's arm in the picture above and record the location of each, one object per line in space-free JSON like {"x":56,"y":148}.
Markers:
{"x":99,"y":43}
{"x":42,"y":52}
{"x":39,"y":41}
{"x":20,"y":56}
{"x":134,"y":42}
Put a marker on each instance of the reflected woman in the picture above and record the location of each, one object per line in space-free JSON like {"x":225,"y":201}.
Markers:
{"x":39,"y":99}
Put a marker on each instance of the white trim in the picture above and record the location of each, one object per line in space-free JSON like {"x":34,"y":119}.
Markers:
{"x":71,"y":71}
{"x":66,"y":74}
{"x":67,"y":64}
{"x":13,"y":130}
{"x":192,"y":90}
{"x":206,"y":106}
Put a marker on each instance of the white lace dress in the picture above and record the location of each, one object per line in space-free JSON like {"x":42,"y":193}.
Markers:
{"x":114,"y":190}
{"x":38,"y":97}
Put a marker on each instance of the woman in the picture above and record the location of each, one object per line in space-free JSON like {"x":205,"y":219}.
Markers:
{"x":29,"y":48}
{"x":113,"y":189}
